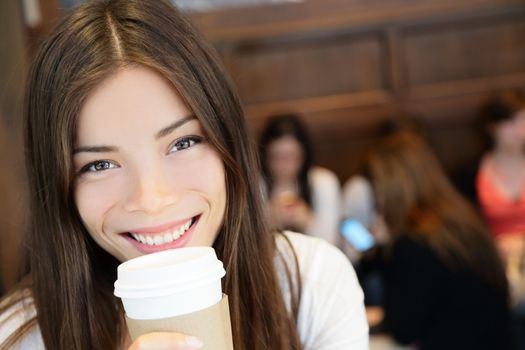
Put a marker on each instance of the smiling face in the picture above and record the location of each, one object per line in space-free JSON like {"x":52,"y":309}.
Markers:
{"x":147,"y":179}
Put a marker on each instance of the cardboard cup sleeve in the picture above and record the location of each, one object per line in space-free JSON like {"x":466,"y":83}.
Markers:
{"x":212,"y":325}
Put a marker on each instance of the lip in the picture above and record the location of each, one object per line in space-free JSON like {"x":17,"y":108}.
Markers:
{"x":178,"y":243}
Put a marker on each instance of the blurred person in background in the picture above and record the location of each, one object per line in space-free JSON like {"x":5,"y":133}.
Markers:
{"x":301,"y":197}
{"x":357,"y":194}
{"x":445,"y":286}
{"x":364,"y":235}
{"x":496,"y":181}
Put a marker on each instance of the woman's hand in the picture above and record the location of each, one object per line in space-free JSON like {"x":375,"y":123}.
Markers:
{"x":166,"y":341}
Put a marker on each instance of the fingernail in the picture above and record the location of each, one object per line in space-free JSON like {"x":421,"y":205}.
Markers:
{"x":194,"y":341}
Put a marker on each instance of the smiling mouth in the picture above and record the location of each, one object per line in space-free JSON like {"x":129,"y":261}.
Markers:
{"x":165,"y":237}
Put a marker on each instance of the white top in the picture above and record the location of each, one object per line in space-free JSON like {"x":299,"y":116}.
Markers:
{"x":331,"y":314}
{"x":14,"y":318}
{"x":326,"y":205}
{"x":358,"y":200}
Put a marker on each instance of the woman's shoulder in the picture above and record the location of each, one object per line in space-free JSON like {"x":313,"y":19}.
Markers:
{"x":317,"y":259}
{"x":331,"y":313}
{"x":16,"y":306}
{"x":306,"y":246}
{"x":18,"y":314}
{"x":322,"y":175}
{"x":409,"y":246}
{"x":415,"y":254}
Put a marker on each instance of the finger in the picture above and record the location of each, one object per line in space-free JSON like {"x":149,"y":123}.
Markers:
{"x":166,"y":341}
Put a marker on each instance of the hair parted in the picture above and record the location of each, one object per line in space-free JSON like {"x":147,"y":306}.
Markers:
{"x":77,"y":310}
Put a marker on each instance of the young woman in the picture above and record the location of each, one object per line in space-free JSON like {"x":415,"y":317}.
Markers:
{"x":135,"y":143}
{"x":445,"y":284}
{"x":496,"y":183}
{"x":500,"y":180}
{"x":302,"y":197}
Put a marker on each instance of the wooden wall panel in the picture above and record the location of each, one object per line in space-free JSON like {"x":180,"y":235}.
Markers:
{"x":347,"y":66}
{"x":294,"y":69}
{"x":458,"y":52}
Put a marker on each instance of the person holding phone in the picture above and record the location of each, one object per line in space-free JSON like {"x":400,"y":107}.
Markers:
{"x":364,"y":237}
{"x":445,"y":286}
{"x":135,"y":143}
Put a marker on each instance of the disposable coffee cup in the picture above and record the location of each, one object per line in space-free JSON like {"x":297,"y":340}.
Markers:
{"x":176,"y":290}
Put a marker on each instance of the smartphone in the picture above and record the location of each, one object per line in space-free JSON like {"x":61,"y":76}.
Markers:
{"x":357,"y":235}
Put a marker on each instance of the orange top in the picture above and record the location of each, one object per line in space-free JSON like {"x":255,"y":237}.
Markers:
{"x":504,"y":215}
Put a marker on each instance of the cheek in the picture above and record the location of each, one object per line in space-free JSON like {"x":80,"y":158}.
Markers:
{"x":505,"y":131}
{"x":93,"y":200}
{"x":204,"y":179}
{"x":204,"y":174}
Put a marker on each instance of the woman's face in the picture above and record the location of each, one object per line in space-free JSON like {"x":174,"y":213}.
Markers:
{"x":285,"y":158}
{"x":510,"y":134}
{"x":147,"y":179}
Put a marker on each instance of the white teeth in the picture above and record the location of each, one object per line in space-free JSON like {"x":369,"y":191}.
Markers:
{"x":139,"y":238}
{"x":163,"y":238}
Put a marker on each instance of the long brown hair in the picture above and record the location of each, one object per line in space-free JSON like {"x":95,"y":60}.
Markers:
{"x":71,"y":276}
{"x":416,"y":199}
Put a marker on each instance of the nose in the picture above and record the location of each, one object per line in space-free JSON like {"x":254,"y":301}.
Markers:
{"x":150,"y":190}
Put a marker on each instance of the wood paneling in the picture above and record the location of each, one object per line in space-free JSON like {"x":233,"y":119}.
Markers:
{"x":459,"y":52}
{"x":348,"y":65}
{"x":295,"y":69}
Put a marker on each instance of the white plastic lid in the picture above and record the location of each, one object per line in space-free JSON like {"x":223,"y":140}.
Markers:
{"x":168,"y":272}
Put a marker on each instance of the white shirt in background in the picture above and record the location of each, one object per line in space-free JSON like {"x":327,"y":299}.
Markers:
{"x":326,"y":205}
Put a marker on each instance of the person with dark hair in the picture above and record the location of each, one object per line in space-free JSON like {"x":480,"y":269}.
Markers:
{"x":302,"y":197}
{"x":496,"y":184}
{"x":445,"y":286}
{"x":136,"y":143}
{"x":499,"y":183}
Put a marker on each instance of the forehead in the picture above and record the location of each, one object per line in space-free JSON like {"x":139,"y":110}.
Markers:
{"x":285,"y":145}
{"x":135,"y":97}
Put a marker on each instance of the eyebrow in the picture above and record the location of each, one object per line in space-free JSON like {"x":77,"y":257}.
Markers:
{"x":167,"y":130}
{"x":160,"y":134}
{"x":95,"y":149}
